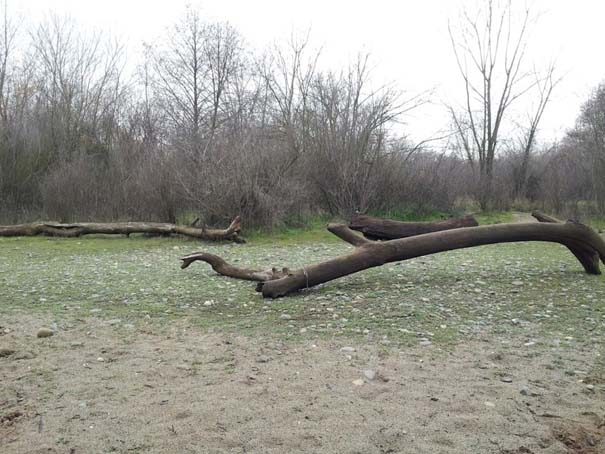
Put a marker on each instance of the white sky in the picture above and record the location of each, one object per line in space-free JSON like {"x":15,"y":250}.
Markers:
{"x":407,"y":39}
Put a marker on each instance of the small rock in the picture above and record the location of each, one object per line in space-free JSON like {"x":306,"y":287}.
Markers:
{"x":303,"y":330}
{"x":100,"y":359}
{"x":517,"y":282}
{"x":528,"y":392}
{"x":590,"y":388}
{"x":489,"y":404}
{"x":507,"y":379}
{"x":263,"y":359}
{"x":24,"y":355}
{"x":425,"y":342}
{"x":45,"y":332}
{"x":76,"y":344}
{"x":358,"y":382}
{"x":208,"y":303}
{"x":496,"y":356}
{"x":285,"y":316}
{"x":347,"y":350}
{"x":369,"y":374}
{"x":4,"y":352}
{"x":529,"y":344}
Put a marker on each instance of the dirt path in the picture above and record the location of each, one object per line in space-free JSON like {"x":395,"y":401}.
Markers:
{"x":100,"y":386}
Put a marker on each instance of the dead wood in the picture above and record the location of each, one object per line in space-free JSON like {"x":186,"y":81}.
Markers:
{"x":231,"y":233}
{"x":222,"y":267}
{"x":543,"y":217}
{"x":582,"y":254}
{"x":387,"y":229}
{"x":585,"y":243}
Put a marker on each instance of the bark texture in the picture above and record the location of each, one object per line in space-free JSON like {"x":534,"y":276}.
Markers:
{"x":386,"y":229}
{"x":585,"y":243}
{"x":231,"y":233}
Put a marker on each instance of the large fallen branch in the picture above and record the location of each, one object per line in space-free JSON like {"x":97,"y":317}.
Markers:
{"x":543,"y":217}
{"x":231,"y":233}
{"x":585,"y":243}
{"x":387,"y":229}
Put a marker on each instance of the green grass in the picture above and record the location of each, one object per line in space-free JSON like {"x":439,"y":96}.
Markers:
{"x":414,"y":215}
{"x":597,"y":223}
{"x":535,"y":290}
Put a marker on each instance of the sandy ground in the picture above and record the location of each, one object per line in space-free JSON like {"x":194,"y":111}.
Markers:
{"x":100,"y":386}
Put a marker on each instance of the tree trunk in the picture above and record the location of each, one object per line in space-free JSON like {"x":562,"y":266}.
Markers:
{"x":585,"y":243}
{"x":231,"y":233}
{"x":386,"y":229}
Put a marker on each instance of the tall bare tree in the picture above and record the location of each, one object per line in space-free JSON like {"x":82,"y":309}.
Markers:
{"x":589,"y":135}
{"x":526,"y":142}
{"x":194,"y":71}
{"x":79,"y":86}
{"x":490,"y":48}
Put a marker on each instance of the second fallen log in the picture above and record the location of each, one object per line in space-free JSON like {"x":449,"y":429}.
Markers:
{"x":387,"y":229}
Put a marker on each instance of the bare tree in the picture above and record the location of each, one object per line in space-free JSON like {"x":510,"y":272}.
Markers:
{"x":193,"y":75}
{"x":490,"y":48}
{"x":351,"y":126}
{"x":79,"y":80}
{"x":589,"y":135}
{"x":288,"y":73}
{"x":526,"y":143}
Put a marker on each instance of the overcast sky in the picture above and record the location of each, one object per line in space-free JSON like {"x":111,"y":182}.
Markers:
{"x":407,"y":39}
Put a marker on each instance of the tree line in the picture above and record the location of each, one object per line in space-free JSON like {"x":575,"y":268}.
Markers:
{"x":205,"y":125}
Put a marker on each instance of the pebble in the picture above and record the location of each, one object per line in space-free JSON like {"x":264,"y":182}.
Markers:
{"x":425,"y":342}
{"x":263,"y":359}
{"x":590,"y":388}
{"x":489,"y":404}
{"x":45,"y":332}
{"x":303,"y":330}
{"x":347,"y":350}
{"x":208,"y":303}
{"x":529,"y":344}
{"x":517,"y":282}
{"x":369,"y":374}
{"x":528,"y":392}
{"x":358,"y":382}
{"x":76,"y":344}
{"x":285,"y":317}
{"x":4,"y":352}
{"x":507,"y":379}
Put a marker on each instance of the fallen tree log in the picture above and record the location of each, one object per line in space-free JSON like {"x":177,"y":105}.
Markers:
{"x":578,"y":252}
{"x":585,"y":243}
{"x":543,"y":217}
{"x":387,"y":229}
{"x":222,"y":267}
{"x":231,"y":233}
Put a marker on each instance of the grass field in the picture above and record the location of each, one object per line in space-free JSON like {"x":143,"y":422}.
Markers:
{"x":449,"y":296}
